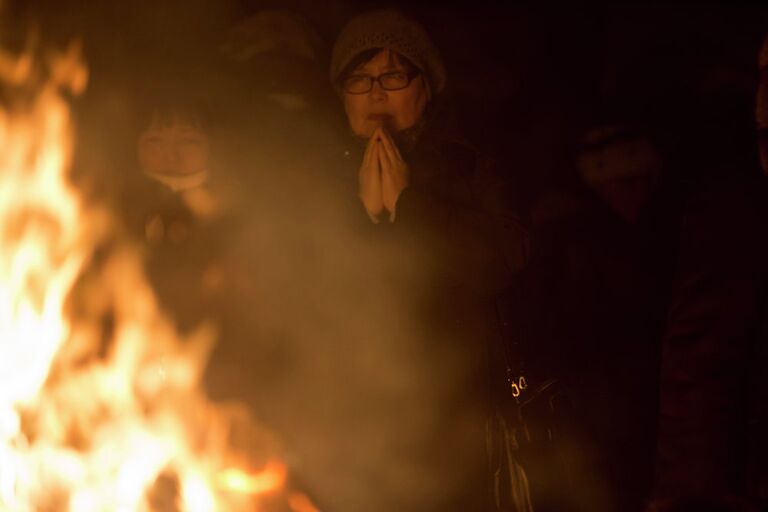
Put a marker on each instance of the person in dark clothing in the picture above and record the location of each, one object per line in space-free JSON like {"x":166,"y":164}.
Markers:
{"x":593,"y":316}
{"x":428,"y":239}
{"x":712,"y":448}
{"x":712,"y":412}
{"x":404,"y":169}
{"x":167,"y":203}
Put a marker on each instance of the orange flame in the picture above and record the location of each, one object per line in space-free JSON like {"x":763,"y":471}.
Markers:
{"x":268,"y":480}
{"x":78,"y":431}
{"x":300,"y":503}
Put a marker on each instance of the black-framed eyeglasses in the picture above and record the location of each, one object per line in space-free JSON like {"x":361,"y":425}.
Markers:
{"x":392,"y":81}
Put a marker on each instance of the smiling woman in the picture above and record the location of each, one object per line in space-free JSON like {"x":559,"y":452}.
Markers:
{"x":173,"y":146}
{"x":169,"y":201}
{"x":173,"y":149}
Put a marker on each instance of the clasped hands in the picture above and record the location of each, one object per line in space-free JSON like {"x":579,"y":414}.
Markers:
{"x":382,"y":177}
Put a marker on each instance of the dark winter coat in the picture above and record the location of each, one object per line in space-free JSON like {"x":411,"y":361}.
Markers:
{"x":424,"y":287}
{"x":367,"y":344}
{"x":714,"y":397}
{"x":591,"y":317}
{"x":184,"y":254}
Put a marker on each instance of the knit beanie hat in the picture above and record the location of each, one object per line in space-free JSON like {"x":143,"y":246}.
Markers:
{"x":388,"y":28}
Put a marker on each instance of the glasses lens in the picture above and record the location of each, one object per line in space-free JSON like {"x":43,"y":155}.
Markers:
{"x":394,"y":81}
{"x":357,"y":84}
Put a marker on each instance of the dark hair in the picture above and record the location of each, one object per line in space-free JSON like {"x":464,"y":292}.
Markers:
{"x":170,"y":105}
{"x":365,"y":57}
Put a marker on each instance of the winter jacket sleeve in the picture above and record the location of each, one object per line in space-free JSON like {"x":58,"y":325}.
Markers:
{"x":713,"y":327}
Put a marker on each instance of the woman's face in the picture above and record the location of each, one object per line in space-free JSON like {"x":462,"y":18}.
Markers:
{"x":177,"y":148}
{"x":394,"y":110}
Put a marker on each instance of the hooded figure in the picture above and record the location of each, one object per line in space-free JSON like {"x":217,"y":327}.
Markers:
{"x":592,"y":316}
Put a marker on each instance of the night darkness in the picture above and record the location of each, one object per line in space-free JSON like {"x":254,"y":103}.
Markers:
{"x":583,"y":209}
{"x":539,"y":75}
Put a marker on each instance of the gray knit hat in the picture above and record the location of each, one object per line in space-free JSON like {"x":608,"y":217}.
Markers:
{"x":388,"y":28}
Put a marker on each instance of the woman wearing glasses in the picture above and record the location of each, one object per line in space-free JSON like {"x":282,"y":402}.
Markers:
{"x":443,"y":238}
{"x":385,"y":95}
{"x":387,"y":72}
{"x":410,"y":167}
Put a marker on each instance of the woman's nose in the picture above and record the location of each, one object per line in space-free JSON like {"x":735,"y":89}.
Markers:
{"x":377,"y":92}
{"x":171,"y":153}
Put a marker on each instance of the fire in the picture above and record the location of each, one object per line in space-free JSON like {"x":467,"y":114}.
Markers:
{"x":272,"y":477}
{"x":95,"y":418}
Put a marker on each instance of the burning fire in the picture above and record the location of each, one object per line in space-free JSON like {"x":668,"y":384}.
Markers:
{"x":101,"y":407}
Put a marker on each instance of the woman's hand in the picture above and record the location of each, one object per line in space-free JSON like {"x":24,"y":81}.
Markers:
{"x":394,"y":172}
{"x":382,"y":177}
{"x":369,"y":178}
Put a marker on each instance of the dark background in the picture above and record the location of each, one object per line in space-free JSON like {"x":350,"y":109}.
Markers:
{"x":525,"y":80}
